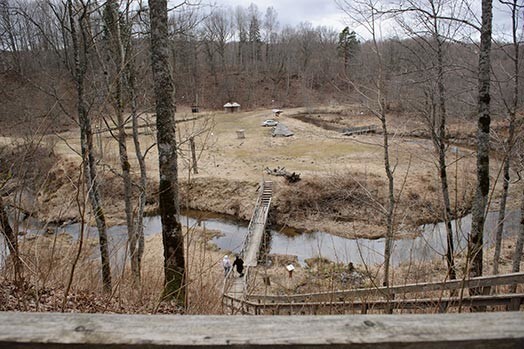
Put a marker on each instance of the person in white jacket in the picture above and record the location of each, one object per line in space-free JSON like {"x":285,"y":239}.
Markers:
{"x":226,"y":263}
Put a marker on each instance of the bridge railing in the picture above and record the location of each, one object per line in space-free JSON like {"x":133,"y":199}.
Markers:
{"x":428,"y":295}
{"x":253,"y":221}
{"x":250,"y":227}
{"x":483,"y":281}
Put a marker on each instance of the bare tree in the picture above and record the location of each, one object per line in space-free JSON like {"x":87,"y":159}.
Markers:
{"x":242,"y":29}
{"x":270,"y":28}
{"x":216,"y":32}
{"x":174,"y":261}
{"x":476,"y":238}
{"x":367,"y":14}
{"x":137,"y":243}
{"x":78,"y":25}
{"x":433,"y":34}
{"x":7,"y":34}
{"x":511,"y":108}
{"x":115,"y":84}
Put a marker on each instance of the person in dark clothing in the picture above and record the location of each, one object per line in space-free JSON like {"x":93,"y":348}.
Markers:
{"x":239,"y":264}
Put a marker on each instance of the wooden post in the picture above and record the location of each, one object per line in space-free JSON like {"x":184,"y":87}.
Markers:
{"x":515,"y":304}
{"x":193,"y":155}
{"x":442,"y":306}
{"x":389,"y":306}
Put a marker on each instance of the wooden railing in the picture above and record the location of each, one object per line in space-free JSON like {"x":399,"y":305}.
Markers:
{"x":414,"y":296}
{"x":259,"y":205}
{"x":52,"y":330}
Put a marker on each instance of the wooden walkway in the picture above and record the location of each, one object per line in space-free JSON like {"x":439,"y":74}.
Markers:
{"x":425,"y":297}
{"x":235,"y":286}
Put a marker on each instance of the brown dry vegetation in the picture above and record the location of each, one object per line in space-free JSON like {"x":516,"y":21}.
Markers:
{"x":48,"y":259}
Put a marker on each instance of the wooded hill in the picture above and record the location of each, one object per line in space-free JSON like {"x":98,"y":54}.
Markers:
{"x":224,"y":54}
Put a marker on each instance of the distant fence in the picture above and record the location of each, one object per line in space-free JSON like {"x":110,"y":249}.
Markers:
{"x":52,"y":330}
{"x":428,"y":296}
{"x":149,"y":126}
{"x":359,"y":130}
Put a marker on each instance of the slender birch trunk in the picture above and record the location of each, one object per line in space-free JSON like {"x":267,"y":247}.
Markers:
{"x":80,"y":50}
{"x":117,"y":51}
{"x":440,"y":144}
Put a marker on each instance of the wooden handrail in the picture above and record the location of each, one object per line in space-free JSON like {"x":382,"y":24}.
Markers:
{"x":483,"y":281}
{"x":52,"y":330}
{"x":512,"y":301}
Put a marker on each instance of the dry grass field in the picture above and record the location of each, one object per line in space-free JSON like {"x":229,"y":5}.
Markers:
{"x":343,"y":186}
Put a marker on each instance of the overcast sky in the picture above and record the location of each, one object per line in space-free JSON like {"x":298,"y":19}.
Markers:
{"x":326,"y":12}
{"x":292,"y":12}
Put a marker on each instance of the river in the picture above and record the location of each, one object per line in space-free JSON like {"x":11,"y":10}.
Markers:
{"x":429,"y":245}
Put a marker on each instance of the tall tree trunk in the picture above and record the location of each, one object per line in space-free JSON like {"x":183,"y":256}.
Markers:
{"x":194,"y":163}
{"x":86,"y":137}
{"x":139,"y":224}
{"x":440,"y":143}
{"x":174,"y":261}
{"x":476,"y":238}
{"x":391,"y":205}
{"x":138,"y":239}
{"x":117,"y":51}
{"x":12,"y":242}
{"x":390,"y":230}
{"x":503,"y":200}
{"x":511,"y":138}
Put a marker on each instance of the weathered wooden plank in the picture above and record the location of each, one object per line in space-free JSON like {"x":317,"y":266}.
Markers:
{"x":51,"y":330}
{"x":484,"y":281}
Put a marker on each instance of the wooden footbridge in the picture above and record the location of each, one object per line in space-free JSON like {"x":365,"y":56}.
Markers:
{"x":235,"y":287}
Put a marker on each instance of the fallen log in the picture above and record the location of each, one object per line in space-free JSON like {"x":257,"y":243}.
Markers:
{"x":291,"y":177}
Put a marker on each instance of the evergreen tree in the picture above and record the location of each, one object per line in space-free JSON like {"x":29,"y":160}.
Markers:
{"x":348,"y":45}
